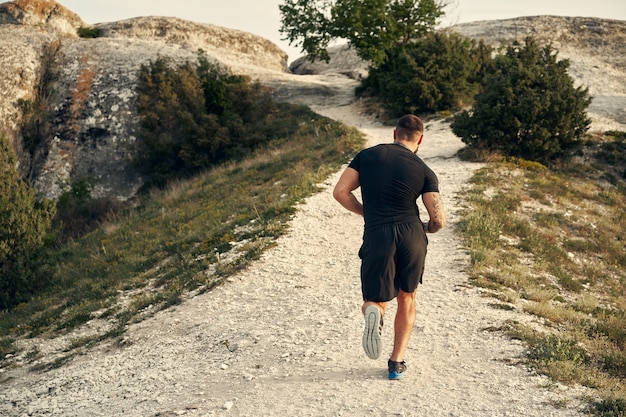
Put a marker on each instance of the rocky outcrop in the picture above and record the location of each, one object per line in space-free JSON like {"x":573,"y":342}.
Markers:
{"x":92,"y":121}
{"x":29,"y":30}
{"x":344,"y":60}
{"x":243,"y":52}
{"x":47,"y":15}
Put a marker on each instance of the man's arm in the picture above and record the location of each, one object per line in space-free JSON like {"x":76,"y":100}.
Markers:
{"x":348,"y":182}
{"x":434,"y":206}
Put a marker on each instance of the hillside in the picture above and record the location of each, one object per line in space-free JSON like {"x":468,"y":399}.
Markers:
{"x":282,"y":337}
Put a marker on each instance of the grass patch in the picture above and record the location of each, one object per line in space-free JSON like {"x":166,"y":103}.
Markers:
{"x":555,"y":238}
{"x":183,"y":239}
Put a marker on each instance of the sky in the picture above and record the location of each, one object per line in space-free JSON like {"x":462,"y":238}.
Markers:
{"x":262,"y":17}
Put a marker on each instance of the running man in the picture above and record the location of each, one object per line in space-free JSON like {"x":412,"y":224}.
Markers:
{"x":392,"y":177}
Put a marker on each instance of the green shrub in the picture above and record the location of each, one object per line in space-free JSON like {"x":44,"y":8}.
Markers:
{"x":615,"y":363}
{"x":440,"y":71}
{"x":528,"y":107}
{"x":88,"y":32}
{"x":555,"y":349}
{"x":197,"y":116}
{"x":25,"y":224}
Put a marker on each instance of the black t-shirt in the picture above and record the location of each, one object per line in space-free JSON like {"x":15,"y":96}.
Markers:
{"x":392,"y":178}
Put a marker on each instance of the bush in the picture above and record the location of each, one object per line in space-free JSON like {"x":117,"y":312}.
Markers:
{"x":441,"y":71}
{"x":528,"y":107}
{"x":197,"y":116}
{"x":554,"y":349}
{"x":25,"y":225}
{"x":88,"y":32}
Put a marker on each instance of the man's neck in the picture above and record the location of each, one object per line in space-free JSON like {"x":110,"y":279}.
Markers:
{"x":410,"y":146}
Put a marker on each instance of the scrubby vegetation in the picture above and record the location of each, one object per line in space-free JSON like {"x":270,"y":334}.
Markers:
{"x":25,"y":227}
{"x":197,"y":116}
{"x":528,"y":107}
{"x":550,"y":242}
{"x":439,"y":72}
{"x":78,"y":213}
{"x":611,"y":155}
{"x":88,"y":32}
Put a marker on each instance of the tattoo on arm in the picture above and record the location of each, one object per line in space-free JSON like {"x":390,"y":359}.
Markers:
{"x":437,"y":216}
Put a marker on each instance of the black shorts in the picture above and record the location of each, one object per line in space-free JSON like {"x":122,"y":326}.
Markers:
{"x":392,"y":259}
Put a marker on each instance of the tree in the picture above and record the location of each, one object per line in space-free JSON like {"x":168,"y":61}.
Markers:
{"x":528,"y":107}
{"x":372,"y":27}
{"x":440,"y":71}
{"x":25,"y":225}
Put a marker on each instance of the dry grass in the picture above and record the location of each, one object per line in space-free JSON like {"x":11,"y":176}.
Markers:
{"x":551,"y":241}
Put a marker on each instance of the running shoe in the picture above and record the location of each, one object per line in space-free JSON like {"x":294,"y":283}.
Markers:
{"x":396,"y":369}
{"x":372,"y":332}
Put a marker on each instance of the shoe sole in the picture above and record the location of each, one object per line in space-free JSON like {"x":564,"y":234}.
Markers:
{"x":371,"y":336}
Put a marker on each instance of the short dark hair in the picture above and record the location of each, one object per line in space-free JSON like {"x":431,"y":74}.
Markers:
{"x":410,"y":126}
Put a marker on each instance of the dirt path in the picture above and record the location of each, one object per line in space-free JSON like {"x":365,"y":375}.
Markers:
{"x":283,"y":338}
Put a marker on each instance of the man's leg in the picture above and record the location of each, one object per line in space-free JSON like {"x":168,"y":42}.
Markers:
{"x":373,"y":314}
{"x":403,"y":324}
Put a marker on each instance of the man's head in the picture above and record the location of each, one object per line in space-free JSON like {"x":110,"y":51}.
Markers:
{"x":409,"y":128}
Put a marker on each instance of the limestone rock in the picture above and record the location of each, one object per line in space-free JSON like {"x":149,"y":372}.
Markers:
{"x":343,"y":60}
{"x":45,"y":14}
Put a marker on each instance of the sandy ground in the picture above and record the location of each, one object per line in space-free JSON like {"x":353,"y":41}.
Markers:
{"x":283,"y":338}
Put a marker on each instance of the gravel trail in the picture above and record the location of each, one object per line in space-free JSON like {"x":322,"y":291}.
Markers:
{"x":283,"y":338}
